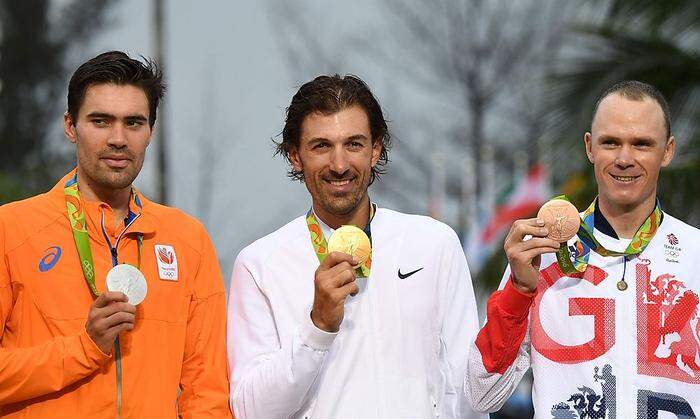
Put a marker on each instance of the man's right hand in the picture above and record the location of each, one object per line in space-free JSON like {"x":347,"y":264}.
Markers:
{"x":333,"y":282}
{"x":524,"y":256}
{"x":109,"y":315}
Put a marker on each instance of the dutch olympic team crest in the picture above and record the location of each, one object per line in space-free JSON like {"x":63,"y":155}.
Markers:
{"x":167,"y":262}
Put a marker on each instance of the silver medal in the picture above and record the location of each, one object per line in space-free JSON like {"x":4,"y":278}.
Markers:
{"x":129,"y":280}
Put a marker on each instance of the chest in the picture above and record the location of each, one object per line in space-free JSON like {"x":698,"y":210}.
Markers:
{"x":636,"y":347}
{"x":47,"y":275}
{"x":405,"y":285}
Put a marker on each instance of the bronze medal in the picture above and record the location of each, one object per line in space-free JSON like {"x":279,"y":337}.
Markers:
{"x":561,"y":219}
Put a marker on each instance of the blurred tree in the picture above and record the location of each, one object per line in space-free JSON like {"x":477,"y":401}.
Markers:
{"x":476,"y":69}
{"x":36,"y":38}
{"x":646,"y":40}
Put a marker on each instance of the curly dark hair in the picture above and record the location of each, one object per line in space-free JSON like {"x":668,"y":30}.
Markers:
{"x":118,"y":68}
{"x":329,"y":94}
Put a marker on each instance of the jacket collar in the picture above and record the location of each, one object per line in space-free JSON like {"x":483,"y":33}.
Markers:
{"x":139,"y":208}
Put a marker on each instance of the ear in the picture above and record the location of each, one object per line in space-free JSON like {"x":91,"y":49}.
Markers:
{"x":69,"y":128}
{"x":588,"y":142}
{"x":295,"y":159}
{"x":669,"y":151}
{"x":377,"y":146}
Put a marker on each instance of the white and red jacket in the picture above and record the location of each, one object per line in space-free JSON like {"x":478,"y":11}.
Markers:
{"x":596,"y":351}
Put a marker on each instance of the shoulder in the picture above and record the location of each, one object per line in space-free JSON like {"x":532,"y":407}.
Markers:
{"x":419,"y":226}
{"x":175,"y":225}
{"x":173,"y":218}
{"x":678,"y":231}
{"x":22,"y":219}
{"x":271,"y":244}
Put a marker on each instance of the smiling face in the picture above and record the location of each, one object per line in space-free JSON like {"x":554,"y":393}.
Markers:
{"x":628,"y":146}
{"x":336,"y":155}
{"x":111,"y":134}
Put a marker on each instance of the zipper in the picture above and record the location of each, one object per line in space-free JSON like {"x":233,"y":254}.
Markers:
{"x":117,"y":349}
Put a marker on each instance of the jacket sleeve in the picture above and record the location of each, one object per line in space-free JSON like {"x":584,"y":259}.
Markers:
{"x":500,"y":355}
{"x":36,"y":371}
{"x":204,"y":379}
{"x":271,"y":378}
{"x":459,"y":327}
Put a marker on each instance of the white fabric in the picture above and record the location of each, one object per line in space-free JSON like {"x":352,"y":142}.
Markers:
{"x":675,"y":251}
{"x":402,"y":348}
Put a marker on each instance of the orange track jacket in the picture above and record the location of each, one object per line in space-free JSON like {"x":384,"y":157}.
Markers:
{"x":51,"y":368}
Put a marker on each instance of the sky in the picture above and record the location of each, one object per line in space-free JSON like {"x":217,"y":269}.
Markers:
{"x":228,"y":87}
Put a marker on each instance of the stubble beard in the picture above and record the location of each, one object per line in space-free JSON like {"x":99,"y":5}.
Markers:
{"x":109,"y":179}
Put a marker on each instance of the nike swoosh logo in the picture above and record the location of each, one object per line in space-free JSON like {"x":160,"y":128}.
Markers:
{"x":404,"y":276}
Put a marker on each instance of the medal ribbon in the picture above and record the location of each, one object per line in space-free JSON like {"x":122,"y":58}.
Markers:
{"x":586,"y":242}
{"x":76,"y":216}
{"x":318,"y":241}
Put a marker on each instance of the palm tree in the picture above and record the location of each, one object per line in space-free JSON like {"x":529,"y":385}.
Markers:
{"x":652,"y":41}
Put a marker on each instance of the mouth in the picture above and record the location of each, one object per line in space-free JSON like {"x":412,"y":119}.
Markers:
{"x":116,"y":162}
{"x":625,"y":179}
{"x":340,"y":185}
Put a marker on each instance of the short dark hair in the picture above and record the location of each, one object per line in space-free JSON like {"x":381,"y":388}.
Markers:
{"x":329,"y":94}
{"x":637,"y":91}
{"x":118,"y":68}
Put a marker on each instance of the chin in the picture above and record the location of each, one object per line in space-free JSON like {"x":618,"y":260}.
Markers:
{"x":626,"y":200}
{"x":117,"y":180}
{"x":340,"y":205}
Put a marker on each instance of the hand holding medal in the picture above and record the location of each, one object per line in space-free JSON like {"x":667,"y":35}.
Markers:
{"x":334,"y":281}
{"x":546,"y":232}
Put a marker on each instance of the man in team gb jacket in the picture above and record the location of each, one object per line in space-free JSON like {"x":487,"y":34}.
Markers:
{"x":312,"y":336}
{"x":617,"y":336}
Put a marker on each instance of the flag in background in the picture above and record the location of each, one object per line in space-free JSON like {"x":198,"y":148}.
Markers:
{"x":522,"y":199}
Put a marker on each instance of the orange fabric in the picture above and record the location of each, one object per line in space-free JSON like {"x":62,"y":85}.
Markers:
{"x":49,"y":366}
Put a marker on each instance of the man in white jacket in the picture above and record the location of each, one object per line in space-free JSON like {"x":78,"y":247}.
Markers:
{"x":615,"y":333}
{"x":311,"y":334}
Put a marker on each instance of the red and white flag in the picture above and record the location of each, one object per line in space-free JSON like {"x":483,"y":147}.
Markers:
{"x":519,"y":201}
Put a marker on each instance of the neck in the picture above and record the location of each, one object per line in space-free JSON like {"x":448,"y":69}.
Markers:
{"x":626,"y":220}
{"x":117,"y":199}
{"x":359,"y":216}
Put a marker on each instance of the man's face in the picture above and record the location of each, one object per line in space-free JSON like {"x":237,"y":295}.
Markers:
{"x":336,"y":156}
{"x":111,"y":134}
{"x":628,"y":147}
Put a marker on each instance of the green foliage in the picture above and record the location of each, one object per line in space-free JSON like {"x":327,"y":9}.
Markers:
{"x":35,"y":49}
{"x":644,"y":40}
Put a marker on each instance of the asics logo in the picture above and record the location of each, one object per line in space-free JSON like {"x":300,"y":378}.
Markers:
{"x":53,"y":254}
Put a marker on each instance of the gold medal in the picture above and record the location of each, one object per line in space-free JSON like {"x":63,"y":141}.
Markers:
{"x":622,"y":285}
{"x":351,"y":240}
{"x":560,"y":218}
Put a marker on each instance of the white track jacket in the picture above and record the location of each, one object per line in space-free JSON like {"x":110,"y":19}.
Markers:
{"x":402,"y":348}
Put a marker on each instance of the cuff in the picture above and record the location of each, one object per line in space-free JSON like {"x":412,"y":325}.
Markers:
{"x":514,"y":301}
{"x":314,"y":337}
{"x":91,"y":349}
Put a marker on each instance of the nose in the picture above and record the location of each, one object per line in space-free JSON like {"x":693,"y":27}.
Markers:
{"x":339,"y":160}
{"x":117,"y":136}
{"x":624,"y":158}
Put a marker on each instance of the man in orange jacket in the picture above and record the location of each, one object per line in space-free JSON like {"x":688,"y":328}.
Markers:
{"x":71,"y":348}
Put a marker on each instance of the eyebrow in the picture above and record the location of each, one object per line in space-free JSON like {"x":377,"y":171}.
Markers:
{"x":357,"y":137}
{"x":613,"y":138}
{"x":137,"y":117}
